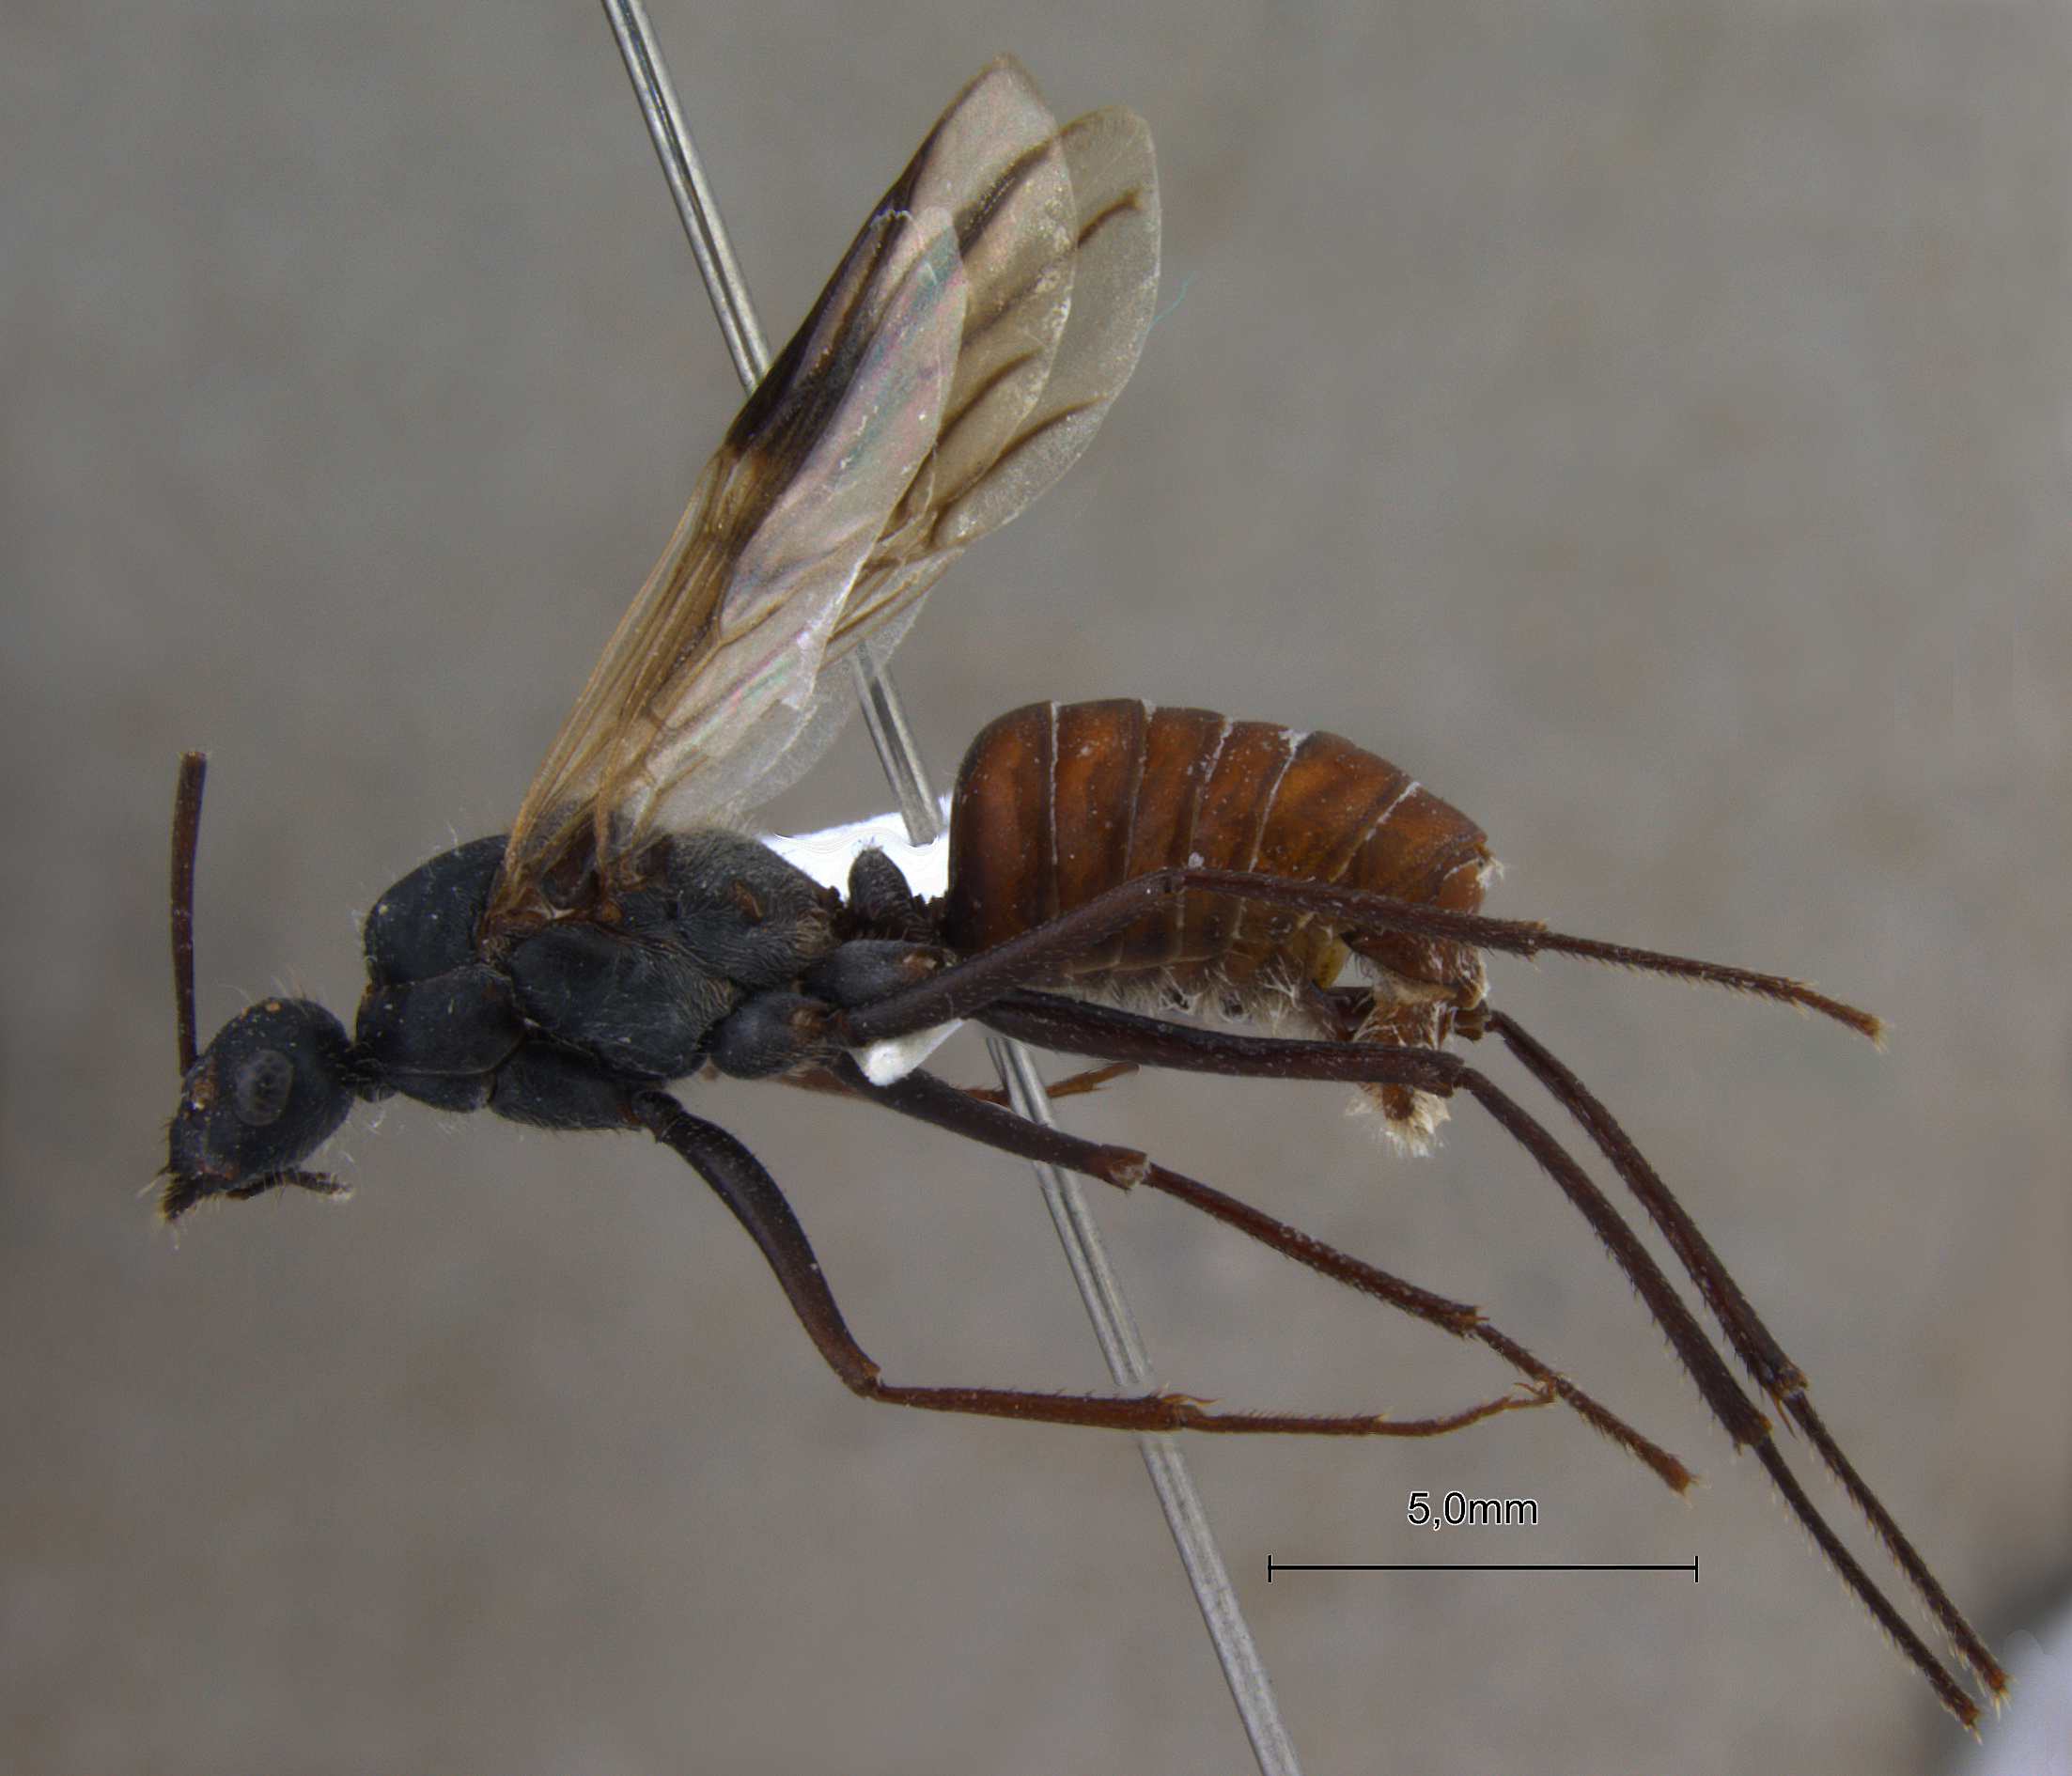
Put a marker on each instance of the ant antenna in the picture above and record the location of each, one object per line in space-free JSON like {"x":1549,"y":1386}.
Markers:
{"x":194,"y":769}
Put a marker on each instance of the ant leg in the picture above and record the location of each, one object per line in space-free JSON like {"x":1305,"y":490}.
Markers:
{"x":1774,"y":1372}
{"x":741,"y":1181}
{"x":1102,"y":1032}
{"x":929,"y":1099}
{"x":1034,"y":957}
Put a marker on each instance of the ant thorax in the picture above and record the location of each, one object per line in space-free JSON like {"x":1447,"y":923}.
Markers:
{"x":555,"y":1026}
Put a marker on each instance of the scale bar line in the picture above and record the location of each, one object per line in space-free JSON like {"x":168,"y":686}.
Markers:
{"x":1426,"y":1565}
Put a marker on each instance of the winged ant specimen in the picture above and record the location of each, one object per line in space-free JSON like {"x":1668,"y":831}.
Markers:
{"x":1108,"y":861}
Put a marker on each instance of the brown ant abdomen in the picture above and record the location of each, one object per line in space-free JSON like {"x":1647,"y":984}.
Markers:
{"x":1057,"y":803}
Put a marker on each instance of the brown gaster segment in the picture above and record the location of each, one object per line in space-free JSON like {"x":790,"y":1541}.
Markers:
{"x":1237,"y":801}
{"x":1000,"y":834}
{"x":1095,"y":775}
{"x":1056,"y":803}
{"x":1180,"y":749}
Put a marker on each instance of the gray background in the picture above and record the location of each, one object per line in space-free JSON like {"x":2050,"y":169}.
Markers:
{"x":1647,"y":422}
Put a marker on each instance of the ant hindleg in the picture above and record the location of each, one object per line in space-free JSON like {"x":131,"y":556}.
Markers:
{"x":1102,"y":1032}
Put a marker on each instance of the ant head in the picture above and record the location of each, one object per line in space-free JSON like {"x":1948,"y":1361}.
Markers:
{"x":269,"y":1090}
{"x":262,"y":1097}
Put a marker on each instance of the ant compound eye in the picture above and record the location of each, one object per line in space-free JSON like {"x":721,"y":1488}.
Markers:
{"x":263,"y":1082}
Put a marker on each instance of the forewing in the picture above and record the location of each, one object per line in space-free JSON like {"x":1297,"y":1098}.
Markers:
{"x":945,"y":377}
{"x":993,"y":458}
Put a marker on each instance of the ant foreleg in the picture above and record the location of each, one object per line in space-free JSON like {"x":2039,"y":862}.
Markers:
{"x":743,"y":1184}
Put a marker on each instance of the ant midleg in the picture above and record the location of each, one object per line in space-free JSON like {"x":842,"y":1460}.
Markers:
{"x":926,"y":1098}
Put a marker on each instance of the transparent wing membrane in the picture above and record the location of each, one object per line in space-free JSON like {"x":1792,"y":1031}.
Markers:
{"x":959,"y":360}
